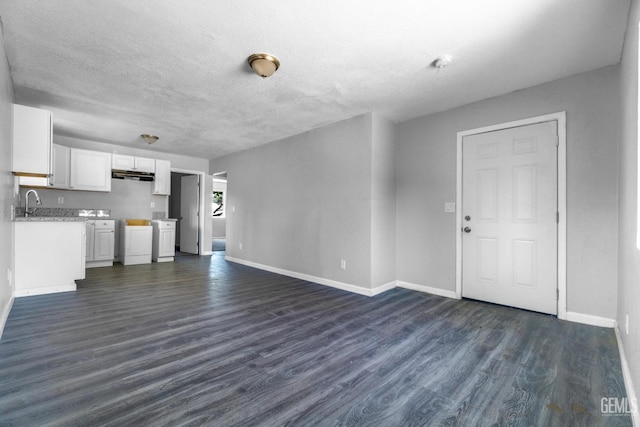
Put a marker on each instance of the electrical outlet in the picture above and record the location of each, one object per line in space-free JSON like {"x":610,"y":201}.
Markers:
{"x":626,"y":324}
{"x":9,"y":276}
{"x":240,"y":246}
{"x":60,"y":200}
{"x":153,"y":204}
{"x":343,"y":264}
{"x":449,"y":207}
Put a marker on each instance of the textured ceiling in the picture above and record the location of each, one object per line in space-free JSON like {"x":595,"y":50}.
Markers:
{"x":113,"y":69}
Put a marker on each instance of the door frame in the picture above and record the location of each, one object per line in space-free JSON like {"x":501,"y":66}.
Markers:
{"x":201,"y":230}
{"x":561,"y":118}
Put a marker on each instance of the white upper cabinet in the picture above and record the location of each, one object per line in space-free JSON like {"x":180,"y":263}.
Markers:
{"x":162,"y":181}
{"x":145,"y":164}
{"x":90,"y":170}
{"x":61,"y":167}
{"x":31,"y":141}
{"x":131,"y":163}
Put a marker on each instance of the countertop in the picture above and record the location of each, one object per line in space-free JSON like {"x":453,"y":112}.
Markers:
{"x":45,"y":214}
{"x":51,"y":219}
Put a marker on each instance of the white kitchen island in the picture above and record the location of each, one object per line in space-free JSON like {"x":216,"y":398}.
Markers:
{"x":49,"y":254}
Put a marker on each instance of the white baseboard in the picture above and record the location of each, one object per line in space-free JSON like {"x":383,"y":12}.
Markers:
{"x":205,"y":253}
{"x":45,"y":290}
{"x":626,"y":374}
{"x":427,"y":289}
{"x":5,"y":315}
{"x":383,"y":288}
{"x":93,"y":264}
{"x":327,"y":282}
{"x":589,"y":319}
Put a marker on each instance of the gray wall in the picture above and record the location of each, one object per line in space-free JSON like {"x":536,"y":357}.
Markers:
{"x":383,"y":202}
{"x":426,"y":179}
{"x":304,"y":203}
{"x":628,"y":252}
{"x":208,"y":224}
{"x":6,"y":184}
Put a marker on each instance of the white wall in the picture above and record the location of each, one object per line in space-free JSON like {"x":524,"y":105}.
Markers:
{"x":426,"y":179}
{"x":6,"y":184}
{"x":629,"y":254}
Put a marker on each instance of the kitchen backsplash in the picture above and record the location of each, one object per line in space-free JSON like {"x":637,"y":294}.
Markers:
{"x":127,"y":199}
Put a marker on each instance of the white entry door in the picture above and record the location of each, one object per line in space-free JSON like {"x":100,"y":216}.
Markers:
{"x":189,"y":202}
{"x":509,"y":217}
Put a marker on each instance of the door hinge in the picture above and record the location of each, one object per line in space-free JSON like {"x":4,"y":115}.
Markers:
{"x":557,"y":294}
{"x":557,"y":217}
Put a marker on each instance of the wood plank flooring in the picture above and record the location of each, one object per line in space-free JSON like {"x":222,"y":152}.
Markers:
{"x":201,"y":341}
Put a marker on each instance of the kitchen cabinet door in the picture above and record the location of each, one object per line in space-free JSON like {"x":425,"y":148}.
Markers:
{"x":91,"y":226}
{"x":166,"y":242}
{"x":123,"y":162}
{"x":31,"y":154}
{"x":162,"y":181}
{"x":131,"y":163}
{"x":103,"y":244}
{"x":61,"y":167}
{"x":145,"y":164}
{"x":90,"y":170}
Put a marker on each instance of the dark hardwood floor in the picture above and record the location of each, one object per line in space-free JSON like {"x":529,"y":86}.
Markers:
{"x":201,"y":341}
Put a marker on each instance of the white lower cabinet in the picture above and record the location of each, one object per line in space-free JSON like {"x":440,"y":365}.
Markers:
{"x":164,"y":240}
{"x":100,"y":242}
{"x":49,"y":256}
{"x":135,"y":243}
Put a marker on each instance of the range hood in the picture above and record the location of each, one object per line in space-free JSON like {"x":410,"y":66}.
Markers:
{"x":138,"y":176}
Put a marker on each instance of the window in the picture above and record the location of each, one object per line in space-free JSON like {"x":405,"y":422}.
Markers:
{"x":217,"y":203}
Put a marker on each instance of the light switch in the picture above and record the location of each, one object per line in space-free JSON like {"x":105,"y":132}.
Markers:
{"x":449,"y":207}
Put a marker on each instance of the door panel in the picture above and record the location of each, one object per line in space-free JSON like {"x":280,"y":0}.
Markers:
{"x":509,"y":206}
{"x":189,"y":198}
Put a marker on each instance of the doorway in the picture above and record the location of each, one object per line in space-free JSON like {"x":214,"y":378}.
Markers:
{"x":511,"y":216}
{"x":185,"y":204}
{"x":219,"y":212}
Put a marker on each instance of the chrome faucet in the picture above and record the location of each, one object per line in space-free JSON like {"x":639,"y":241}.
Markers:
{"x":28,"y":211}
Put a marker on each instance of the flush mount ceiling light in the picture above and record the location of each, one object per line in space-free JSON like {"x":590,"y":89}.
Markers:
{"x":443,"y":61}
{"x":263,"y":64}
{"x":149,"y":139}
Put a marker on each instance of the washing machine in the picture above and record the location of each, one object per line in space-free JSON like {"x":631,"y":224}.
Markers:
{"x":135,"y":241}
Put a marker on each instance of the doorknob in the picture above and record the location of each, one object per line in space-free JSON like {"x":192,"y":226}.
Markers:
{"x":467,"y":230}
